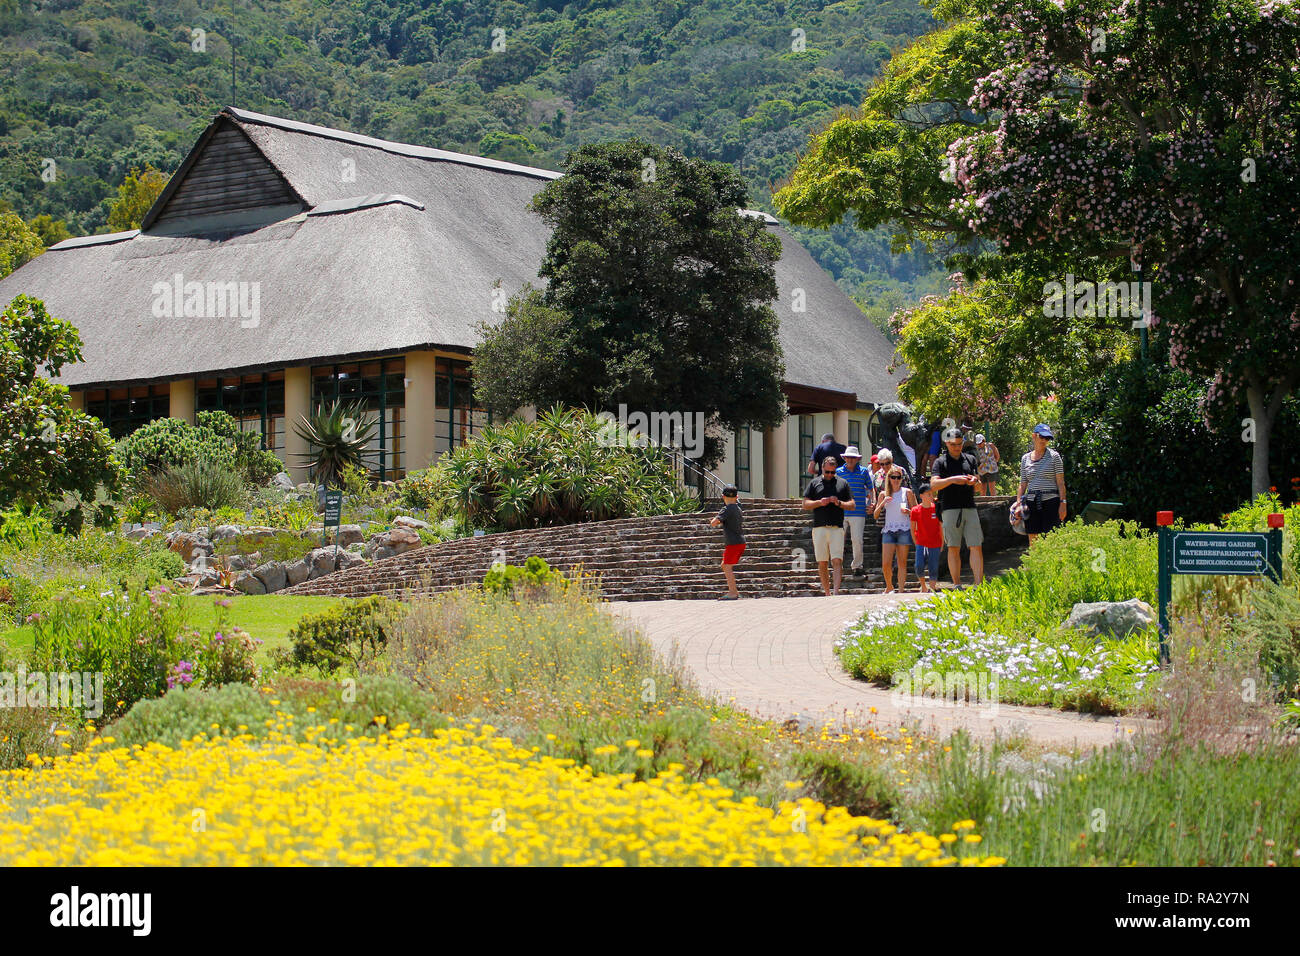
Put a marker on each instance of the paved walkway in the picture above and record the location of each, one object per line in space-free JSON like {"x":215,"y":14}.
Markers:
{"x":774,"y":657}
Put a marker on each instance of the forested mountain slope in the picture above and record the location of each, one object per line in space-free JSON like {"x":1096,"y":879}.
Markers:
{"x":100,"y":86}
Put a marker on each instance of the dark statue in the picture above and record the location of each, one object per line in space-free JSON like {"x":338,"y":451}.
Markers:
{"x":897,"y":429}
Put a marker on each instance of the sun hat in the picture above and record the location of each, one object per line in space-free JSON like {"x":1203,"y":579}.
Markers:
{"x":979,"y":439}
{"x":852,"y":452}
{"x":1043,"y":430}
{"x":1017,"y":519}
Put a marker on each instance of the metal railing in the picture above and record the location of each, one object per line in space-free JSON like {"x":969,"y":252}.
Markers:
{"x":693,"y":475}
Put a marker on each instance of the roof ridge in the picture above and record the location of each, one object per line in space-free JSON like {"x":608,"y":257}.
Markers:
{"x":389,"y":146}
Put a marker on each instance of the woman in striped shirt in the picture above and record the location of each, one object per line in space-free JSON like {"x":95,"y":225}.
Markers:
{"x":1042,"y":486}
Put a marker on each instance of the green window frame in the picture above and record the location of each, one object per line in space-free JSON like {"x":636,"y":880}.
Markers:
{"x":742,"y":459}
{"x":256,"y":402}
{"x":456,"y":415}
{"x":380,"y":384}
{"x":807,"y":443}
{"x":124,"y":409}
{"x":855,"y":434}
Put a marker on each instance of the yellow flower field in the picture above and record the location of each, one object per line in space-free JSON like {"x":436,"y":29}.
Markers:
{"x":460,"y":796}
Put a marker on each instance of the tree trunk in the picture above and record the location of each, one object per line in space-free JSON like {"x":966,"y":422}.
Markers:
{"x":1263,"y":412}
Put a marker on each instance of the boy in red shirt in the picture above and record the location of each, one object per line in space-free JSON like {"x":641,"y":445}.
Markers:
{"x":927,"y":535}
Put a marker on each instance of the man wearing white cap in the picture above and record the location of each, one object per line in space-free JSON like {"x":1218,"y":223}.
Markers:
{"x":863,"y":488}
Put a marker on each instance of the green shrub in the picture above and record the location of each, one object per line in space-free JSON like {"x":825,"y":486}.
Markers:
{"x":1272,"y":624}
{"x":347,"y":635}
{"x":25,"y":527}
{"x":563,"y":468}
{"x":863,"y":788}
{"x":170,"y":443}
{"x":294,"y":516}
{"x":534,"y":574}
{"x":140,"y":642}
{"x":201,"y":483}
{"x":238,"y":708}
{"x":282,"y":546}
{"x":133,"y":639}
{"x":1124,"y":436}
{"x":360,"y":487}
{"x":216,"y":438}
{"x":38,"y":730}
{"x":426,"y":489}
{"x":161,"y":567}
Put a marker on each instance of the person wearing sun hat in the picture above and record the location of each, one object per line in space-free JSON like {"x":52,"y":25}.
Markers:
{"x":1041,"y":496}
{"x":863,"y":488}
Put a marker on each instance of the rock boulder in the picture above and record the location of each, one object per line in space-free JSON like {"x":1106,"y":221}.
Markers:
{"x":1111,"y":618}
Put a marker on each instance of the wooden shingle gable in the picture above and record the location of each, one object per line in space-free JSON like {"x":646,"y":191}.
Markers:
{"x":224,"y":174}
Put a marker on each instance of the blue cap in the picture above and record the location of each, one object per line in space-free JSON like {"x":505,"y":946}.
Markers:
{"x":1044,"y":431}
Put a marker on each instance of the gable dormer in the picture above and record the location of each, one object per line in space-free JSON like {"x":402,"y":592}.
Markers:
{"x":225,"y":181}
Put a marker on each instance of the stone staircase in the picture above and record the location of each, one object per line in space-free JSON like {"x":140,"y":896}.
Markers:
{"x":637,"y":559}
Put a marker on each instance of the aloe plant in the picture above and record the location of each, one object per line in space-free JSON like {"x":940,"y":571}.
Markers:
{"x":337,"y":435}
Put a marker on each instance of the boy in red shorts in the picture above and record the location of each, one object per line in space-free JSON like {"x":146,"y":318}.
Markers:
{"x":730,"y":520}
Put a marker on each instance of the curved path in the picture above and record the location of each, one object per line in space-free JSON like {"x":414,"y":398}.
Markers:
{"x":774,"y":657}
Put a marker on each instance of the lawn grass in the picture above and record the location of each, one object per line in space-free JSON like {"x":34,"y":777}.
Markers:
{"x":268,"y":617}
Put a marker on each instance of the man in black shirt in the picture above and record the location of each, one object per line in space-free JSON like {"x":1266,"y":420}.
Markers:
{"x":828,"y":497}
{"x":955,"y":475}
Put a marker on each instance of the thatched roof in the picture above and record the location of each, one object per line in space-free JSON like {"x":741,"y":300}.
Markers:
{"x":374,"y":247}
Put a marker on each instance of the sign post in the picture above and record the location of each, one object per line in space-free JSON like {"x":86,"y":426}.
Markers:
{"x":333,"y":516}
{"x":1211,"y":552}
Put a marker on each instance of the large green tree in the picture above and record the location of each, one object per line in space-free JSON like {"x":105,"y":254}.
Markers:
{"x":49,"y":452}
{"x":19,"y":243}
{"x":1098,"y":135}
{"x":134,"y":197}
{"x":987,"y":344}
{"x":657,"y":294}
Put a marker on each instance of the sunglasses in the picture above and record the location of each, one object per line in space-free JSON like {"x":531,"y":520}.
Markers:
{"x":895,"y":477}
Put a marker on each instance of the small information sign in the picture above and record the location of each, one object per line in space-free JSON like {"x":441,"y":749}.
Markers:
{"x":1211,"y":552}
{"x":1197,"y":552}
{"x":333,"y":514}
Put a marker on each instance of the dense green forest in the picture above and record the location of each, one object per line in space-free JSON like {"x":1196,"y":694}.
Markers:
{"x":102,"y":86}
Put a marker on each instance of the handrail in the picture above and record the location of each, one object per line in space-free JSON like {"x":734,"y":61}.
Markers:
{"x":688,"y":465}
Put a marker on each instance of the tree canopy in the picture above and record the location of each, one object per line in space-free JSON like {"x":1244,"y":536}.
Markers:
{"x":657,"y":293}
{"x":1097,"y":136}
{"x":48,"y":450}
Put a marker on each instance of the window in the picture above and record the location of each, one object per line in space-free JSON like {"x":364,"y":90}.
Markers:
{"x":380,"y":385}
{"x":123,"y":410}
{"x":256,"y":402}
{"x":456,"y":416}
{"x":806,"y":445}
{"x":742,"y":459}
{"x":855,"y":433}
